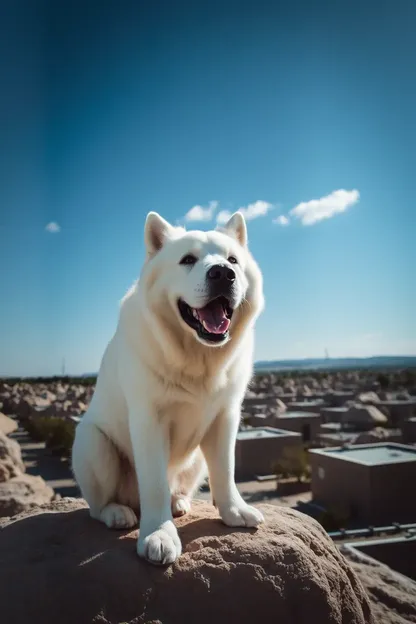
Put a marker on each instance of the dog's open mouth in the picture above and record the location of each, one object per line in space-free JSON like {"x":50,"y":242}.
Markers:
{"x":210,"y":322}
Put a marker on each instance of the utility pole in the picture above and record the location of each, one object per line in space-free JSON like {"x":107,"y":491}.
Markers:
{"x":63,"y":367}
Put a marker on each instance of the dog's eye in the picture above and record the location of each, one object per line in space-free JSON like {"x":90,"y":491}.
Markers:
{"x":232,"y":260}
{"x":189,"y":259}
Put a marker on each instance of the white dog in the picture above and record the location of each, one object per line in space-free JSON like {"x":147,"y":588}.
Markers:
{"x":170,"y":386}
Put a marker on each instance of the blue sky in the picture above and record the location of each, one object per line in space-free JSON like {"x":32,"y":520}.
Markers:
{"x":110,"y":110}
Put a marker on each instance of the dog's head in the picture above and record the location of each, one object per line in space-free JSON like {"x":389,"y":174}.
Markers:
{"x":203,"y":283}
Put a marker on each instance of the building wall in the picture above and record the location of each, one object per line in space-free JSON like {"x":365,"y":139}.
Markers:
{"x":337,"y":399}
{"x":333,"y":439}
{"x":344,"y":485}
{"x":256,"y":456}
{"x":409,"y":431}
{"x":304,"y":407}
{"x":297,"y":424}
{"x":375,"y":495}
{"x":330,"y":416}
{"x":393,"y":493}
{"x":399,"y":412}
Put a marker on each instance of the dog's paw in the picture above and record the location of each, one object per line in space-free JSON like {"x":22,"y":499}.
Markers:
{"x":181,"y":505}
{"x":118,"y":516}
{"x":241,"y":515}
{"x":161,"y":547}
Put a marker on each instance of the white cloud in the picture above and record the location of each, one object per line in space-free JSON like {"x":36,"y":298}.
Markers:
{"x":199,"y":213}
{"x":315,"y":210}
{"x":281,"y":220}
{"x":53,"y":227}
{"x":223,"y":216}
{"x":258,"y":209}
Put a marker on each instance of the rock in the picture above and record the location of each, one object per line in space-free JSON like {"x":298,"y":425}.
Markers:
{"x":280,"y":407}
{"x":403,"y":395}
{"x":368,"y":397}
{"x":48,"y":396}
{"x":361,"y":414}
{"x":379,"y":434}
{"x":7,"y":425}
{"x":23,"y":492}
{"x":10,"y":404}
{"x":393,"y":597}
{"x":11,"y":464}
{"x":70,"y":568}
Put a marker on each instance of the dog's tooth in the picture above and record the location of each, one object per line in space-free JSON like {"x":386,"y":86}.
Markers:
{"x":204,"y":325}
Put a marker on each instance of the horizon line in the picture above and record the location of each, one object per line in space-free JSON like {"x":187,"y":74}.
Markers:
{"x":257,"y":362}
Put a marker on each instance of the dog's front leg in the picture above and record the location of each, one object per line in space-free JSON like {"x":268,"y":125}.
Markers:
{"x":218,"y":447}
{"x":158,"y":540}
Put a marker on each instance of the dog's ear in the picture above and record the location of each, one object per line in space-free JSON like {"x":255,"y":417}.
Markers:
{"x":156,"y":232}
{"x":236,"y":227}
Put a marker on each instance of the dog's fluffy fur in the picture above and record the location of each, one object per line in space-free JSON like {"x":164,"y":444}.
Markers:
{"x":166,"y":408}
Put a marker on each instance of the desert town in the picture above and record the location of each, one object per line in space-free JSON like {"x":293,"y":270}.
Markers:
{"x":339,"y":447}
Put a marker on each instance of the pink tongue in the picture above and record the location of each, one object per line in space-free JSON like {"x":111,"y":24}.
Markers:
{"x":214,"y":318}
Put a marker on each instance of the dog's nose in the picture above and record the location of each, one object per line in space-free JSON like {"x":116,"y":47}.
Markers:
{"x":221,"y":272}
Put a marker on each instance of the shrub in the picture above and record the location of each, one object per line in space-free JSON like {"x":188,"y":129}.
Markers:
{"x":293,"y":463}
{"x":334,"y":518}
{"x":57,"y":433}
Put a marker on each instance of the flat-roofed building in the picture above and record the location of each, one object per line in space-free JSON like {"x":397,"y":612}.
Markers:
{"x":308,"y":424}
{"x":337,"y":398}
{"x":399,"y":410}
{"x":333,"y":414}
{"x":257,"y":450}
{"x":374,"y":482}
{"x":314,"y":406}
{"x":337,"y":438}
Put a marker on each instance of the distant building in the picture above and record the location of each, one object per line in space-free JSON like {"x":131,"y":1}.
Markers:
{"x":263,"y":400}
{"x":364,"y":417}
{"x":257,"y":450}
{"x":357,"y":417}
{"x":399,"y":410}
{"x":409,"y":431}
{"x":337,"y":398}
{"x":313,"y":406}
{"x":347,"y":436}
{"x":375,"y":482}
{"x":308,"y":424}
{"x":333,"y":414}
{"x":336,"y":438}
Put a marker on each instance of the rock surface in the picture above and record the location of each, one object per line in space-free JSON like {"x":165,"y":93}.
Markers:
{"x":59,"y":565}
{"x":379,"y":434}
{"x":18,"y":491}
{"x":22,"y":493}
{"x":393,"y":597}
{"x":11,"y":464}
{"x":7,"y":425}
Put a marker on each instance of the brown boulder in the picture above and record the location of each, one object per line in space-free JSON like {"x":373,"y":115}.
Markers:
{"x":287,"y":571}
{"x":23,"y":492}
{"x":369,"y":397}
{"x":10,"y":404}
{"x":7,"y":425}
{"x":379,"y":434}
{"x":11,"y":464}
{"x":392,"y":596}
{"x":361,"y":414}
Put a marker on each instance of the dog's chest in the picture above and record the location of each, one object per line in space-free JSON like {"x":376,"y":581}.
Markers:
{"x":187,"y":425}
